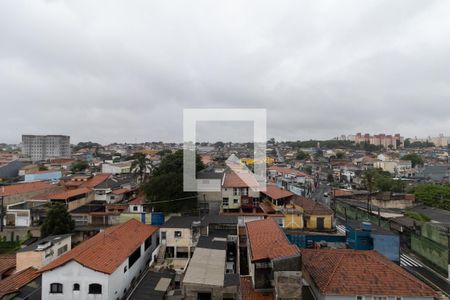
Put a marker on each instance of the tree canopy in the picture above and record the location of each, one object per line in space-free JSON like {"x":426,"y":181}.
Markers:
{"x":79,"y":165}
{"x":434,"y":195}
{"x":376,"y":179}
{"x":167,"y":184}
{"x":58,"y":221}
{"x":301,"y":155}
{"x":416,"y":159}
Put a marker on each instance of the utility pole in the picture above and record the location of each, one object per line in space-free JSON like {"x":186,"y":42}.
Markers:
{"x":1,"y":209}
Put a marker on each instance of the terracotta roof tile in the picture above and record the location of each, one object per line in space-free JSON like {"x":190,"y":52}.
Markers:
{"x":275,"y":192}
{"x":139,"y":200}
{"x":268,"y":241}
{"x":311,"y":207}
{"x":96,"y":180}
{"x":356,"y":272}
{"x":69,"y":193}
{"x":20,"y":188}
{"x":233,"y":180}
{"x":120,"y":191}
{"x":16,"y":281}
{"x":105,"y":251}
{"x":7,"y":262}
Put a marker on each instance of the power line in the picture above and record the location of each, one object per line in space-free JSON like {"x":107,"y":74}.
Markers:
{"x":171,"y":200}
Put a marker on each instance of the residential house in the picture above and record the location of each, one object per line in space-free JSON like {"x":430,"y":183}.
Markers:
{"x":73,"y":198}
{"x":26,"y":214}
{"x":292,"y":180}
{"x":20,"y":192}
{"x":340,"y":274}
{"x":237,"y":189}
{"x":48,"y":175}
{"x":316,"y":216}
{"x":179,"y":235}
{"x":43,"y":251}
{"x":104,"y":266}
{"x":205,"y":276}
{"x":269,"y":251}
{"x":122,"y":167}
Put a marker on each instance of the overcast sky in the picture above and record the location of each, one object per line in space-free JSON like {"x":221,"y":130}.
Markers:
{"x":124,"y":70}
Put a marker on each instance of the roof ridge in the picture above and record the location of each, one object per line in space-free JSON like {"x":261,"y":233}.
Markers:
{"x":335,"y":270}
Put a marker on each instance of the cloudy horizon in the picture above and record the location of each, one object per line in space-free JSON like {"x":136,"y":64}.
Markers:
{"x":110,"y":71}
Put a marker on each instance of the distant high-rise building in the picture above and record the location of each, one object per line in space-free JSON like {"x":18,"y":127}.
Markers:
{"x":387,"y":141}
{"x":42,"y":147}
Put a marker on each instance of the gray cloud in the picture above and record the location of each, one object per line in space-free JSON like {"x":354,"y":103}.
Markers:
{"x":115,"y":71}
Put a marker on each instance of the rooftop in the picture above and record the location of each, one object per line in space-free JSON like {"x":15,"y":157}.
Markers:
{"x":181,"y":222}
{"x":16,"y":281}
{"x":207,"y":267}
{"x":51,"y":239}
{"x":151,"y":286}
{"x":248,"y":293}
{"x":275,"y":192}
{"x":7,"y":263}
{"x":268,"y":241}
{"x":312,"y":207}
{"x":356,"y":272}
{"x":69,"y":194}
{"x":105,"y":251}
{"x":20,"y":188}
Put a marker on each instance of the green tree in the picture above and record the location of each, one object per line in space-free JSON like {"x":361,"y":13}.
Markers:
{"x":340,"y":155}
{"x":434,"y":195}
{"x":166,"y":185}
{"x":416,"y":159}
{"x":58,"y":221}
{"x":79,"y":165}
{"x":301,"y":155}
{"x":142,"y":166}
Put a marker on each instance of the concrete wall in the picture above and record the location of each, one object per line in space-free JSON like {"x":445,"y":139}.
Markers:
{"x":41,"y":258}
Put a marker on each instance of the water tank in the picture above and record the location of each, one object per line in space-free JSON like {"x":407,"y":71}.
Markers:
{"x":366,"y":226}
{"x":157,"y":218}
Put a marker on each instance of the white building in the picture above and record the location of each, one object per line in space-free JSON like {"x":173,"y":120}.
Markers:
{"x":122,"y":167}
{"x":104,"y":266}
{"x":42,"y":147}
{"x":43,"y":251}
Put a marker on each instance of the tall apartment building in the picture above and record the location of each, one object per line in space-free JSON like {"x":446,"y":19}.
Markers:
{"x":385,"y":140}
{"x":42,"y":147}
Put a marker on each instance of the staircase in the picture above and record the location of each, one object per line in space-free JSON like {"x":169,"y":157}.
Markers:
{"x":161,"y":254}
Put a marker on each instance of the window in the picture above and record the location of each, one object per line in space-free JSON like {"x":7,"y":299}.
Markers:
{"x":379,"y":298}
{"x":148,"y":243}
{"x":62,"y":250}
{"x":95,"y":288}
{"x":225,"y":201}
{"x":125,"y":269}
{"x":398,"y":298}
{"x":134,"y":256}
{"x":163,"y":235}
{"x":359,"y":297}
{"x":135,"y":208}
{"x":56,"y":288}
{"x":235,"y":201}
{"x":177,"y":234}
{"x":76,"y":287}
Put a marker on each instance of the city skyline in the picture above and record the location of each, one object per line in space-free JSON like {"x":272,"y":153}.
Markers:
{"x":320,"y":69}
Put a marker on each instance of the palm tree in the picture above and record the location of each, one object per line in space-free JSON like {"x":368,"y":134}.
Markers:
{"x":142,"y":166}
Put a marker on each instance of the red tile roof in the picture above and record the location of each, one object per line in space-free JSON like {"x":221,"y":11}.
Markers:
{"x":16,"y":281}
{"x":20,"y":188}
{"x":64,"y":195}
{"x":105,"y":251}
{"x":120,"y":191}
{"x":233,"y":180}
{"x":96,"y":180}
{"x":139,"y":200}
{"x":355,"y":272}
{"x":311,"y":207}
{"x":268,"y":241}
{"x":7,"y":263}
{"x":275,"y":192}
{"x":248,"y":293}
